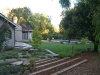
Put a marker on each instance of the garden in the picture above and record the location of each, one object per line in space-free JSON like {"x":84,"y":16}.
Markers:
{"x":63,"y":50}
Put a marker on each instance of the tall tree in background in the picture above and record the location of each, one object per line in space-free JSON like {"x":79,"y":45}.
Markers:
{"x":25,"y":16}
{"x":65,"y":3}
{"x":21,"y":14}
{"x":86,"y":19}
{"x":43,"y":22}
{"x":95,"y":8}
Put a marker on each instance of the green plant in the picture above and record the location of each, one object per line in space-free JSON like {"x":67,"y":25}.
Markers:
{"x":9,"y":54}
{"x":18,"y":59}
{"x":26,"y":56}
{"x":7,"y":48}
{"x":84,"y":40}
{"x":37,"y":37}
{"x":3,"y":34}
{"x":4,"y":63}
{"x":23,"y":52}
{"x":10,"y":70}
{"x":61,"y":42}
{"x":32,"y":60}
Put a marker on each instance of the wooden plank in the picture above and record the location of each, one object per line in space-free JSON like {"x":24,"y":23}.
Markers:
{"x":70,"y":67}
{"x":53,"y":67}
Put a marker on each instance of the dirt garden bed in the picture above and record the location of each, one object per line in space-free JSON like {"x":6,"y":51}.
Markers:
{"x":91,"y":67}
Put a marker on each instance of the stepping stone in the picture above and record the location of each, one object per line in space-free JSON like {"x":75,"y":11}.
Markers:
{"x":11,"y":60}
{"x":24,"y":59}
{"x":26,"y":63}
{"x":17,"y":63}
{"x":1,"y":61}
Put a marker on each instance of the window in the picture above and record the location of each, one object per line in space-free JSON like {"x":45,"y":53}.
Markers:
{"x":24,"y":35}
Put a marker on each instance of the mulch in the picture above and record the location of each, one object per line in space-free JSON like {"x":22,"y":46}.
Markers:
{"x":91,"y":67}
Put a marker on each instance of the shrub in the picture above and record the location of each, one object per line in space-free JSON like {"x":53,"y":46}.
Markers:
{"x":3,"y":34}
{"x":37,"y":37}
{"x":62,"y":55}
{"x":7,"y":48}
{"x":32,"y":60}
{"x":4,"y":63}
{"x":10,"y":70}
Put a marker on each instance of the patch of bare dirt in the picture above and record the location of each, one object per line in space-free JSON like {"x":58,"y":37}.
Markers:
{"x":91,"y":67}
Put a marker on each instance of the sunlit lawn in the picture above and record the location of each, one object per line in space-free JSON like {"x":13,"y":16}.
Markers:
{"x":65,"y":49}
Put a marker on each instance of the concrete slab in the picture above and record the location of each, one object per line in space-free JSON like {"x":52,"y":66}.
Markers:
{"x":22,"y":45}
{"x":17,"y":63}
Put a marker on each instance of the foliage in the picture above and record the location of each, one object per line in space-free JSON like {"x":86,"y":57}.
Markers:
{"x":36,"y":37}
{"x":92,"y":19}
{"x":32,"y":60}
{"x":25,"y":17}
{"x":84,"y":40}
{"x":43,"y":22}
{"x":9,"y":54}
{"x":10,"y":70}
{"x":64,"y":3}
{"x":80,"y":22}
{"x":21,"y":14}
{"x":4,"y":63}
{"x":3,"y":34}
{"x":77,"y":22}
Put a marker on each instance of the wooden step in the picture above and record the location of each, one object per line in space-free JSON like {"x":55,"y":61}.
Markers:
{"x":70,"y":67}
{"x":46,"y":61}
{"x":37,"y":68}
{"x":52,"y":68}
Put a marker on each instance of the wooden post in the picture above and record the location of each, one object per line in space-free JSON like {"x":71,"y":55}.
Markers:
{"x":72,"y":49}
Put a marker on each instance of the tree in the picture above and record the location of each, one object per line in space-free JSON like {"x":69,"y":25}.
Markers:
{"x":95,"y":8}
{"x":65,"y":3}
{"x":3,"y":32}
{"x":86,"y":20}
{"x":36,"y":37}
{"x":21,"y":14}
{"x":25,"y":16}
{"x":43,"y":22}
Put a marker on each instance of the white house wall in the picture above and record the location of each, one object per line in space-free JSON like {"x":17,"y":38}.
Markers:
{"x":18,"y":33}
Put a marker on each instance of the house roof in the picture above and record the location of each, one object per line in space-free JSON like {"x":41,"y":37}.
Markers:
{"x":27,"y":28}
{"x":14,"y":25}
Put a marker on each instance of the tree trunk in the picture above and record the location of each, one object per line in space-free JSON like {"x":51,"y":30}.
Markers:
{"x":95,"y":47}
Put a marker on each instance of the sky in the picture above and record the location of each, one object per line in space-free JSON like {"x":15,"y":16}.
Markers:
{"x":49,"y":7}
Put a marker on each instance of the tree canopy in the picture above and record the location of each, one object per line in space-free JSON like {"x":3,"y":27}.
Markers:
{"x":83,"y":21}
{"x":26,"y":17}
{"x":21,"y":14}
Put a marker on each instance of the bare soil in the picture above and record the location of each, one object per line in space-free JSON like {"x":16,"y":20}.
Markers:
{"x":91,"y":67}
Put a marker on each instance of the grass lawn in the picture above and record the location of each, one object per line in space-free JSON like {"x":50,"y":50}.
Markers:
{"x":65,"y":49}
